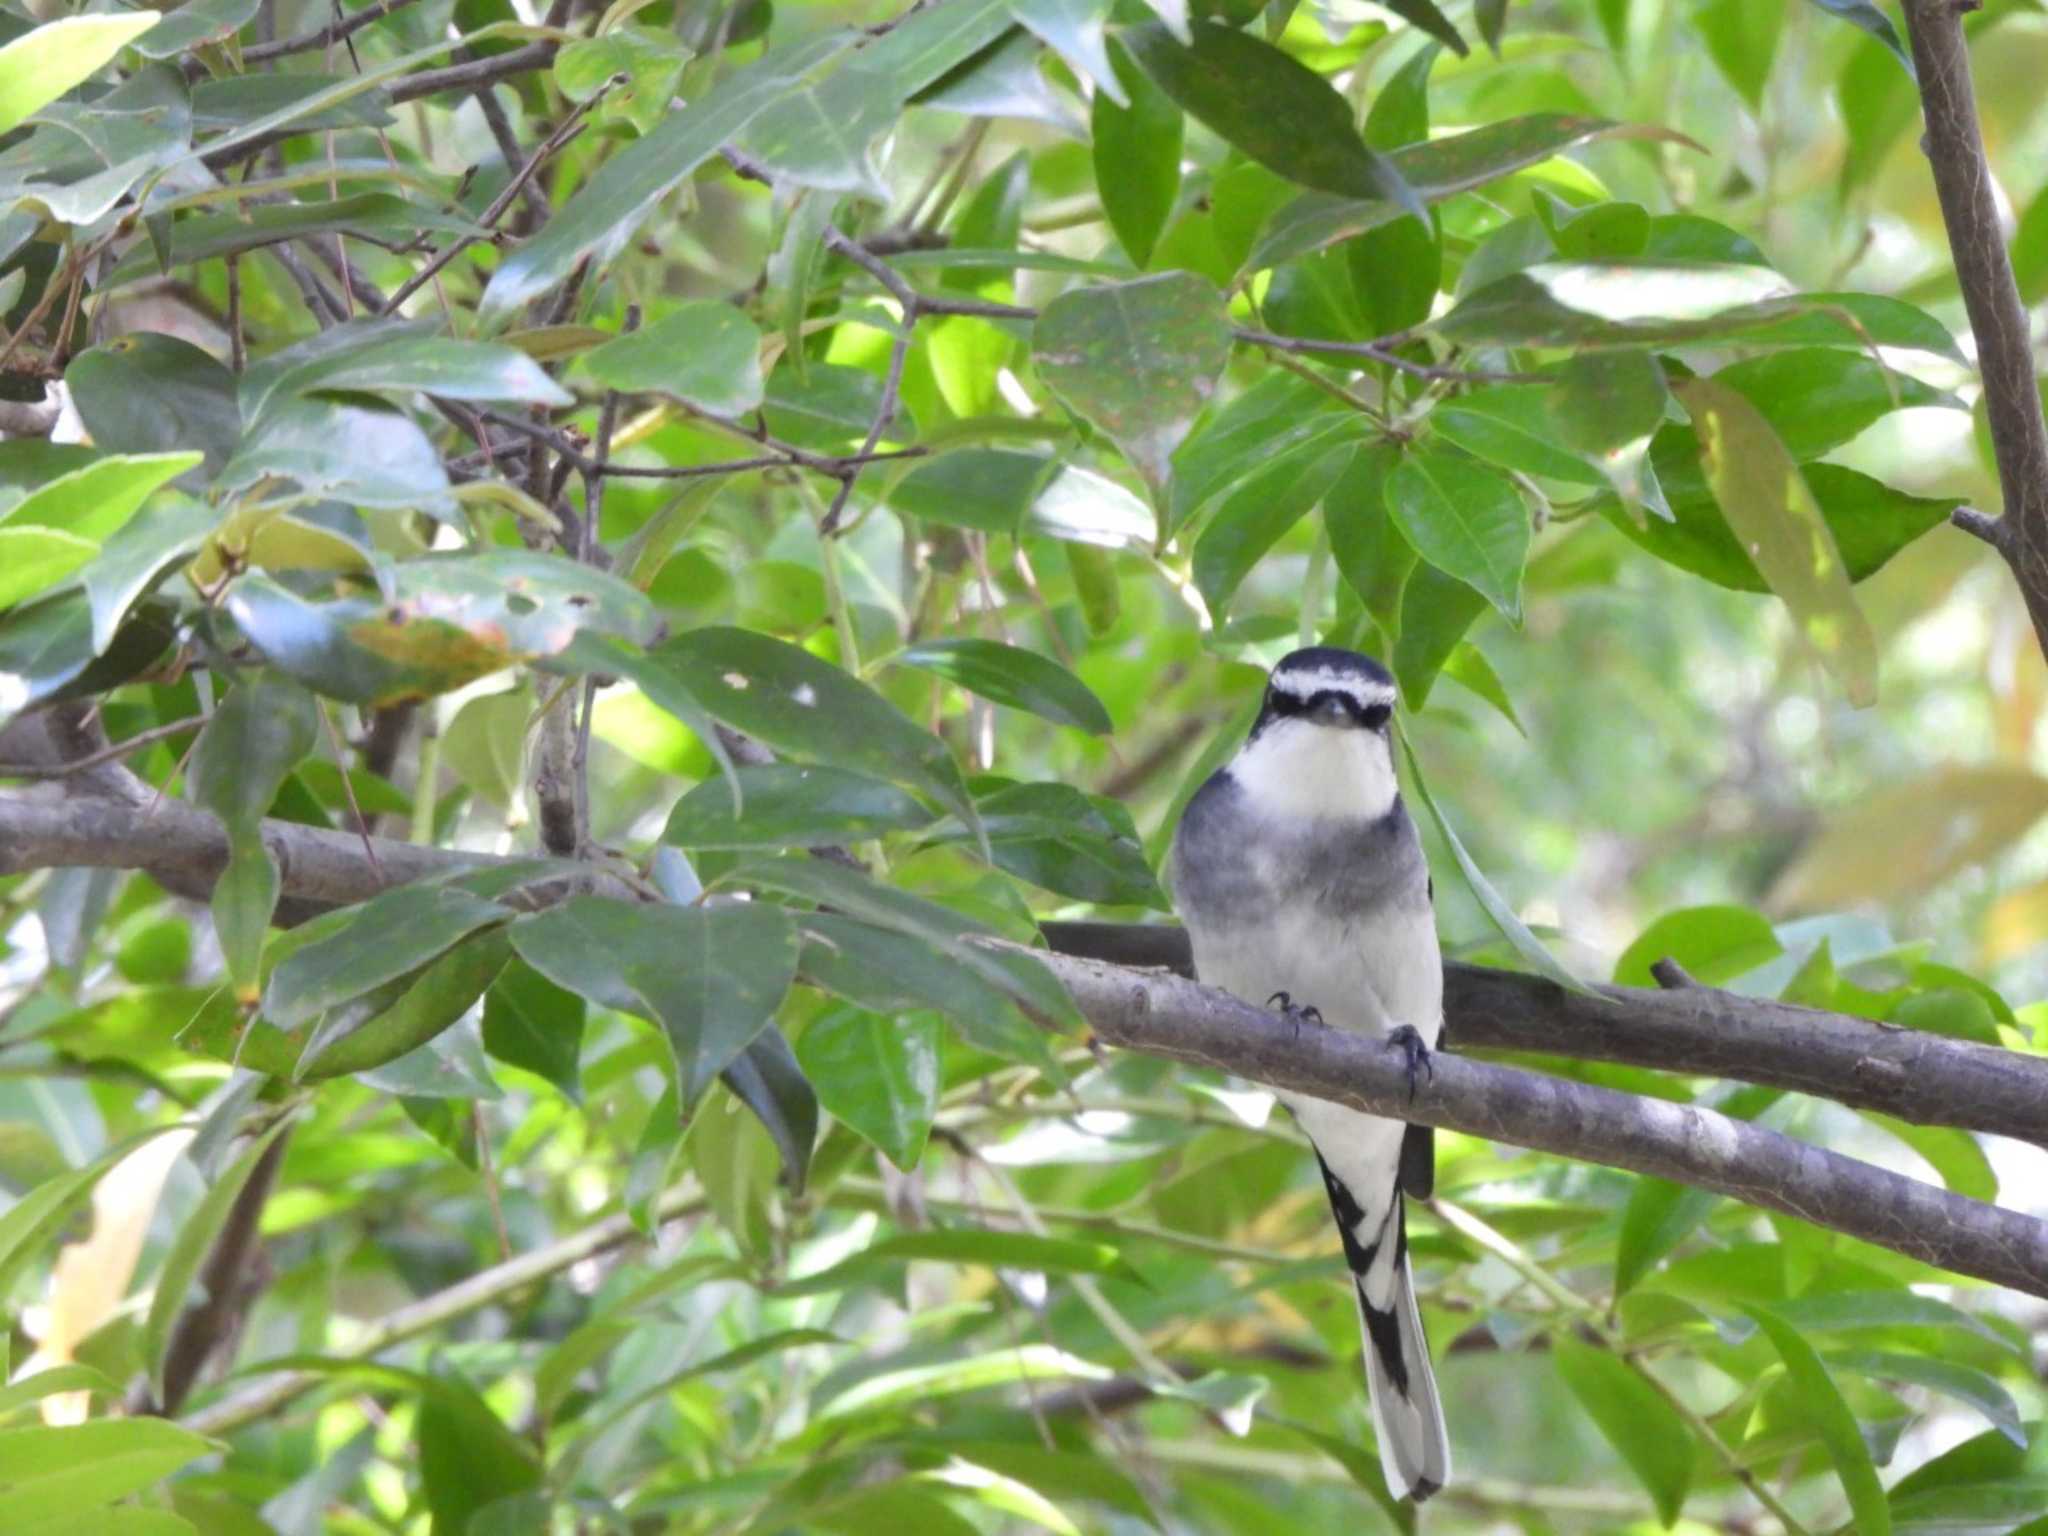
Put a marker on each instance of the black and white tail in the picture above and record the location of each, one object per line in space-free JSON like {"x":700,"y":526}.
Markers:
{"x":1408,"y":1417}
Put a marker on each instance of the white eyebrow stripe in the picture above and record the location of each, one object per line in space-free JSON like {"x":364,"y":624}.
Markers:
{"x":1305,"y":684}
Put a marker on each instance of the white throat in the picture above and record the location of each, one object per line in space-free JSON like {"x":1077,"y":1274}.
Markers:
{"x":1298,"y":768}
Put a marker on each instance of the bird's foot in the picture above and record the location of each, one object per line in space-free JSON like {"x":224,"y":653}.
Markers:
{"x":1307,"y":1013}
{"x":1404,"y":1039}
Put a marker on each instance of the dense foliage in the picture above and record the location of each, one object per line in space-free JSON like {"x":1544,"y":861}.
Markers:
{"x":862,"y":460}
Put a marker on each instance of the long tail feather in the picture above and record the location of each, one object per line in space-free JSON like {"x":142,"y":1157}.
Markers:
{"x":1415,"y":1448}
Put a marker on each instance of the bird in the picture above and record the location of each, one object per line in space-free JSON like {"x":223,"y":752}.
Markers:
{"x":1302,"y":884}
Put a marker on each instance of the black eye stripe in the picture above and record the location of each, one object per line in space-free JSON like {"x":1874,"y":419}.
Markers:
{"x":1372,"y":716}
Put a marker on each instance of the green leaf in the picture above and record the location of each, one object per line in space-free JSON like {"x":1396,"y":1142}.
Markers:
{"x":1714,"y":944}
{"x":33,"y":560}
{"x":57,"y":1378}
{"x":367,"y":455}
{"x":1436,"y":611}
{"x":1742,"y":38}
{"x":468,"y":1458}
{"x":1075,"y":30}
{"x":706,"y":354}
{"x":1137,"y":359}
{"x":193,"y":23}
{"x":1861,"y":13}
{"x":606,"y":211}
{"x":260,"y":732}
{"x":968,"y":1245}
{"x":189,"y":1249}
{"x":767,"y":1079}
{"x":821,"y":132}
{"x":1510,"y":425}
{"x":1276,"y":415}
{"x":990,"y":489}
{"x":1055,"y":836}
{"x":973,"y":1373}
{"x":1425,"y":15}
{"x":1869,"y":520}
{"x":381,"y":217}
{"x":1966,"y":1384}
{"x":97,"y":500}
{"x":1271,"y":106}
{"x":394,"y":1032}
{"x":156,"y":394}
{"x":1658,"y":1217}
{"x":877,"y":1075}
{"x":790,"y":805}
{"x":388,"y":937}
{"x":52,"y":1473}
{"x":1011,"y":675}
{"x":1821,"y":1405}
{"x":1953,"y":1153}
{"x":1259,"y":510}
{"x":37,"y":68}
{"x":1634,"y":1417}
{"x":1376,"y":561}
{"x":1137,"y":147}
{"x":2030,"y":250}
{"x":1607,"y":402}
{"x":712,"y":977}
{"x":383,"y":357}
{"x":1772,"y":512}
{"x":1510,"y":927}
{"x":1818,"y":398}
{"x":788,"y":699}
{"x":531,"y":1023}
{"x":1464,"y":519}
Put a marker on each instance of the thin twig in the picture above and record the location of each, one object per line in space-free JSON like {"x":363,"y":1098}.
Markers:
{"x":112,"y":754}
{"x":306,"y":42}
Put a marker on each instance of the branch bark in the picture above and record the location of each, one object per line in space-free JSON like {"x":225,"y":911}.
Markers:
{"x":1163,"y":1014}
{"x":1928,"y":1079}
{"x":1998,"y":320}
{"x":1167,"y":1015}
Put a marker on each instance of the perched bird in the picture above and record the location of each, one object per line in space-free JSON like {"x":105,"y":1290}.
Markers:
{"x":1302,"y":884}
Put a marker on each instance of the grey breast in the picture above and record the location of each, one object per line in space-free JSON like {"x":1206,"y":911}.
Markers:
{"x":1346,"y":867}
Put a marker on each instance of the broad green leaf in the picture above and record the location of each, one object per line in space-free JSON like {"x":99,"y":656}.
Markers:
{"x":1658,"y":1217}
{"x":387,"y":937}
{"x":193,"y":23}
{"x":468,"y":1458}
{"x":46,"y":650}
{"x":767,"y":1079}
{"x":195,"y":1239}
{"x":97,"y":500}
{"x":1436,"y":611}
{"x":1954,"y":1154}
{"x":712,"y":977}
{"x":1742,"y":39}
{"x":1510,"y":425}
{"x":1424,"y":15}
{"x":1966,"y":1384}
{"x":822,"y":131}
{"x":154,"y":394}
{"x":1376,"y":561}
{"x":1768,"y":505}
{"x":1714,"y":944}
{"x":791,"y":805}
{"x":1559,"y":304}
{"x":1079,"y":506}
{"x":706,"y":354}
{"x":40,"y":66}
{"x":1817,"y":398}
{"x":34,"y":559}
{"x":606,"y":211}
{"x":382,"y":217}
{"x":1270,"y":105}
{"x":1259,"y":510}
{"x":1510,"y":927}
{"x":921,"y":1383}
{"x":531,"y":1023}
{"x":1820,"y":1403}
{"x":1057,"y":837}
{"x":1634,"y":1417}
{"x":1136,"y":144}
{"x":1275,"y":415}
{"x":990,"y":489}
{"x":147,"y":547}
{"x":378,"y":357}
{"x":878,"y":1075}
{"x":1011,"y":675}
{"x":970,"y":1245}
{"x":1607,"y":403}
{"x":647,"y":62}
{"x":1861,"y":13}
{"x":1464,"y":519}
{"x":50,"y":1473}
{"x":260,"y":732}
{"x":1138,"y":359}
{"x":58,"y":1378}
{"x":367,"y":455}
{"x":1076,"y":31}
{"x":788,"y":699}
{"x":385,"y":1034}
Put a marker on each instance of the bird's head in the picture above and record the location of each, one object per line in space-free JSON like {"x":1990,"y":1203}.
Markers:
{"x":1323,"y":742}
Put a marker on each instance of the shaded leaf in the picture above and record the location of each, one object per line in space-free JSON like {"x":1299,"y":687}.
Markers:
{"x":1011,"y":675}
{"x":789,"y":805}
{"x":878,"y":1075}
{"x":1136,"y":143}
{"x":705,"y":353}
{"x":1820,"y":1403}
{"x":1464,"y":519}
{"x":1634,"y":1417}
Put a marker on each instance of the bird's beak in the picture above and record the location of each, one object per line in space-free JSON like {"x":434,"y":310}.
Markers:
{"x":1330,"y":712}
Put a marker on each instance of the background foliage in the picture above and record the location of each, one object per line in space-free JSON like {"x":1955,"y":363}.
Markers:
{"x":966,"y":404}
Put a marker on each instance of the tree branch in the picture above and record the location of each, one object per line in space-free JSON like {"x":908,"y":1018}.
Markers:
{"x":1909,"y":1074}
{"x":1162,"y":1014}
{"x":1166,"y":1015}
{"x":1998,"y":320}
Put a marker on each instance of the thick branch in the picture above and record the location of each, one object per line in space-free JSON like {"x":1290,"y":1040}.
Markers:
{"x":1166,"y":1015}
{"x":1998,"y":320}
{"x":1928,"y":1079}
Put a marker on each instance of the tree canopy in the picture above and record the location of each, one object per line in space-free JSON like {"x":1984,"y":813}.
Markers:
{"x":606,"y":612}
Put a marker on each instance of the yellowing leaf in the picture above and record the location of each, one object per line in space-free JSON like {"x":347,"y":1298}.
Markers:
{"x":1772,"y":512}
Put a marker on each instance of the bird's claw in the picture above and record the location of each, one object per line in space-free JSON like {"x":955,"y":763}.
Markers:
{"x":1417,"y":1055}
{"x":1307,"y":1013}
